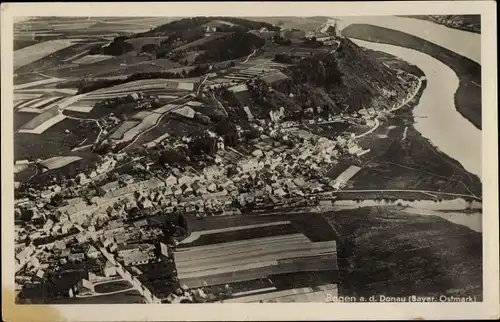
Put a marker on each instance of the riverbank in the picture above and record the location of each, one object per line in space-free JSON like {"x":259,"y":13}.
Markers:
{"x":435,"y":116}
{"x":468,"y":95}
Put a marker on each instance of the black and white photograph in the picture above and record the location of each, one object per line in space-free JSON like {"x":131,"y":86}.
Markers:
{"x":248,"y":159}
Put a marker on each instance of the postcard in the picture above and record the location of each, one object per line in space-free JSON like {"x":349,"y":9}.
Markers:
{"x":289,"y":160}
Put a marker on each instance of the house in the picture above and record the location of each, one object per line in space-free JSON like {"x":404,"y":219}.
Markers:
{"x":60,"y":244}
{"x":198,"y":188}
{"x":24,"y":255}
{"x":316,"y":187}
{"x":110,"y":186}
{"x":82,"y":179}
{"x":171,"y":181}
{"x":48,"y":225}
{"x":300,"y":182}
{"x":212,"y":187}
{"x":145,"y":203}
{"x":47,"y":194}
{"x":187,"y":180}
{"x":109,"y":269}
{"x":92,"y":252}
{"x":85,"y":287}
{"x":76,"y":257}
{"x":280,"y":192}
{"x":40,"y":274}
{"x":65,"y":228}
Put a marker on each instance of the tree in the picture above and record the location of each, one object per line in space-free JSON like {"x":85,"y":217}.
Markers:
{"x":182,"y":222}
{"x":149,"y":48}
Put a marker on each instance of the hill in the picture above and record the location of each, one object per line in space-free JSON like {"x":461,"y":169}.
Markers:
{"x":326,"y":83}
{"x":220,"y":23}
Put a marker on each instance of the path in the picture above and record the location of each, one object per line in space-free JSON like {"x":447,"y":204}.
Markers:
{"x":157,"y":122}
{"x":251,"y":54}
{"x":104,"y":294}
{"x":220,"y":104}
{"x":412,"y":190}
{"x":88,"y":120}
{"x":404,"y":133}
{"x":404,"y":103}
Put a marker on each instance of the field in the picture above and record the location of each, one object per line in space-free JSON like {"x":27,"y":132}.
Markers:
{"x":146,"y":123}
{"x":202,"y":41}
{"x":54,"y":141}
{"x":91,"y":59}
{"x":468,"y":96}
{"x":85,"y":161}
{"x":223,"y":249}
{"x":109,"y":67}
{"x":21,"y":118}
{"x":124,"y":127}
{"x":57,"y":59}
{"x":112,"y":286}
{"x":141,"y":41}
{"x":39,"y":120}
{"x":35,"y":52}
{"x":59,"y":161}
{"x":147,"y":85}
{"x":408,"y":254}
{"x":410,"y":164}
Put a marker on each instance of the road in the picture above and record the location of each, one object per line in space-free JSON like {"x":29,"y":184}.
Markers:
{"x":157,"y":122}
{"x":403,"y":104}
{"x":220,"y":104}
{"x":412,"y":190}
{"x":88,"y":120}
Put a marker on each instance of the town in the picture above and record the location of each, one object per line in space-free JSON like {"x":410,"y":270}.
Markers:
{"x":175,"y":168}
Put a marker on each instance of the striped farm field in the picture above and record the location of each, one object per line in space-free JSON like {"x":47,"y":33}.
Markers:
{"x":258,"y":273}
{"x":223,"y":262}
{"x":35,"y":52}
{"x":43,"y":126}
{"x":141,"y":86}
{"x":124,"y":127}
{"x":59,"y":162}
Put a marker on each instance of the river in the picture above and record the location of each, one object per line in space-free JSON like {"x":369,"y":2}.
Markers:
{"x":442,"y":125}
{"x":467,"y":44}
{"x":447,"y":129}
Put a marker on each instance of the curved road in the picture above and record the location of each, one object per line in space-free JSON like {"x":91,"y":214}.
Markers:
{"x":444,"y":126}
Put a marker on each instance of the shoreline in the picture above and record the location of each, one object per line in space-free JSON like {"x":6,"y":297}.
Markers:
{"x":441,"y":86}
{"x":468,"y":95}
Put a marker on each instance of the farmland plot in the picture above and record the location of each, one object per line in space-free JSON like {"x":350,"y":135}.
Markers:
{"x":91,"y":59}
{"x":124,"y":127}
{"x":59,"y":59}
{"x":54,"y":141}
{"x":35,"y":52}
{"x":277,"y":254}
{"x":202,"y":41}
{"x":59,"y":162}
{"x":145,"y":124}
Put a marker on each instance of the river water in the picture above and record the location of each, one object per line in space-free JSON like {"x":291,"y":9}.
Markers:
{"x":447,"y":129}
{"x":467,"y":44}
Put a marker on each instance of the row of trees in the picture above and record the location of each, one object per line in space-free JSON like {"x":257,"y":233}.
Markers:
{"x":118,"y":47}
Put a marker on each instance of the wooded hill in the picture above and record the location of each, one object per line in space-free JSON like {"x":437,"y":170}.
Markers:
{"x":328,"y":84}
